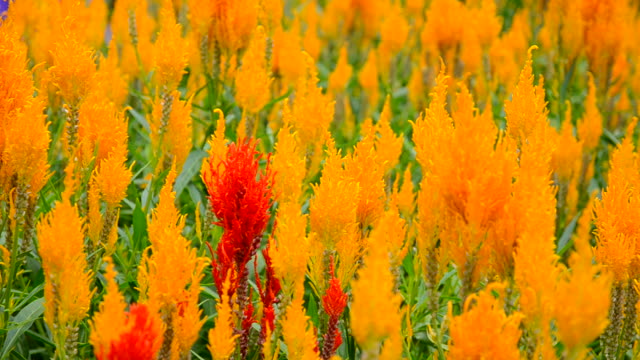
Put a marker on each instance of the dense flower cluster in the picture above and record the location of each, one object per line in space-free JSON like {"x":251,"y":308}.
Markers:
{"x":319,"y":179}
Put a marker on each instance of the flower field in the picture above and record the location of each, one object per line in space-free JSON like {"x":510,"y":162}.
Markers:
{"x":319,"y":179}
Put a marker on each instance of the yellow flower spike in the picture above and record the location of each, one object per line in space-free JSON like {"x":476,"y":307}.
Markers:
{"x":445,"y":26}
{"x":170,"y":55}
{"x":404,"y":198}
{"x":483,"y":330}
{"x":222,"y":340}
{"x":102,"y":130}
{"x":590,"y":125}
{"x":365,"y":168}
{"x":616,"y":236}
{"x":312,"y":110}
{"x":114,"y":84}
{"x":298,"y":332}
{"x":26,"y":151}
{"x":373,"y":292}
{"x":566,"y":160}
{"x":290,"y":248}
{"x":311,"y":42}
{"x":289,"y":164}
{"x":341,"y":74}
{"x":527,"y":109}
{"x":252,"y":79}
{"x":113,"y":178}
{"x":73,"y":69}
{"x":172,"y":292}
{"x":287,"y":59}
{"x":67,"y":286}
{"x":394,"y":31}
{"x":173,"y":139}
{"x":108,"y":323}
{"x":368,"y":79}
{"x":271,"y":14}
{"x":233,"y":24}
{"x":388,"y":144}
{"x":390,"y":233}
{"x":332,"y":210}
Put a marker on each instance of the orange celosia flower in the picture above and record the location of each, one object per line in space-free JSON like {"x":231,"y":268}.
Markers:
{"x":298,"y":333}
{"x":373,"y":293}
{"x":67,"y":289}
{"x":174,"y":293}
{"x":590,"y":125}
{"x":566,"y":160}
{"x":170,"y":49}
{"x":615,"y":215}
{"x":113,"y":178}
{"x":483,"y":330}
{"x":222,"y":340}
{"x":26,"y":151}
{"x":234,"y":22}
{"x":252,"y":79}
{"x":102,"y":130}
{"x":388,"y":144}
{"x":73,"y":69}
{"x":527,"y":109}
{"x":287,"y":59}
{"x":288,"y":163}
{"x":445,"y":25}
{"x":341,"y":74}
{"x":290,"y":247}
{"x":368,"y":79}
{"x":113,"y":82}
{"x":173,"y":139}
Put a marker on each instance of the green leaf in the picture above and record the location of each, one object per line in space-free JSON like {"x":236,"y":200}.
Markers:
{"x":565,"y":242}
{"x":189,"y":170}
{"x":21,"y":323}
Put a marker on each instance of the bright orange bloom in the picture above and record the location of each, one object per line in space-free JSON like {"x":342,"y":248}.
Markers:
{"x":483,"y":330}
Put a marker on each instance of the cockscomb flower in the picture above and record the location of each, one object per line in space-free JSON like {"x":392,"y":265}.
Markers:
{"x":373,"y":292}
{"x":527,"y":109}
{"x":312,"y":110}
{"x":217,"y":147}
{"x":173,"y":293}
{"x":222,"y":340}
{"x":390,"y":233}
{"x":590,"y":125}
{"x":388,"y":144}
{"x":365,"y":168}
{"x":170,"y":49}
{"x":252,"y":79}
{"x":118,"y":334}
{"x":240,"y":196}
{"x":483,"y":330}
{"x":67,"y":289}
{"x":288,"y":164}
{"x":171,"y":133}
{"x":290,"y":247}
{"x":403,"y":198}
{"x":102,"y":129}
{"x":298,"y":332}
{"x":341,"y":74}
{"x":333,"y":302}
{"x":113,"y":178}
{"x":233,"y":24}
{"x":566,"y":158}
{"x":25,"y":152}
{"x":287,"y":59}
{"x":113,"y":81}
{"x":73,"y":68}
{"x":368,"y":79}
{"x":16,"y":87}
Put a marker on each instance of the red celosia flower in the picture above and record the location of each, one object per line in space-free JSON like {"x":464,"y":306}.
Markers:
{"x":334,"y":301}
{"x":142,"y":340}
{"x":240,"y":195}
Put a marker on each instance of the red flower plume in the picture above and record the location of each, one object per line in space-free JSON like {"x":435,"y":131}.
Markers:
{"x":142,"y":340}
